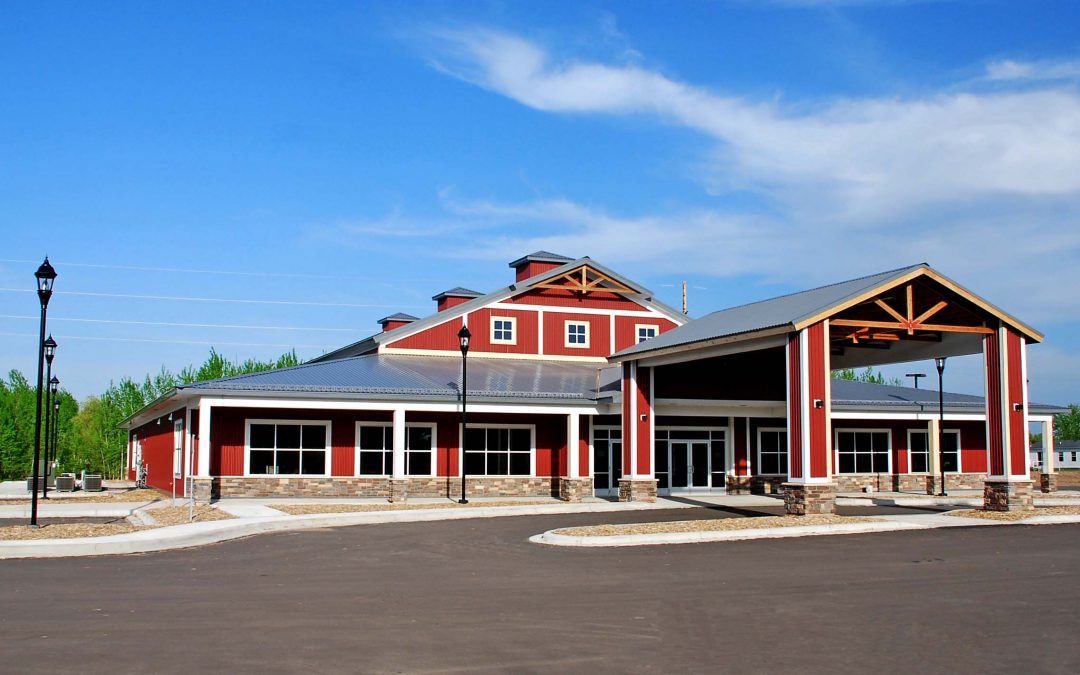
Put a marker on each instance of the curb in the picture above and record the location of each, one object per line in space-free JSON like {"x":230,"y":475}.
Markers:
{"x":934,"y":522}
{"x":200,"y":534}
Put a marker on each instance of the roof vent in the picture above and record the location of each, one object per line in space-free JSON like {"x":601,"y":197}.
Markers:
{"x":537,"y":263}
{"x":396,"y":321}
{"x":454,"y":297}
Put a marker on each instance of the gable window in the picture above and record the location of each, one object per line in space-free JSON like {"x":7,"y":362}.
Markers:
{"x":292,"y":448}
{"x":918,"y":451}
{"x":503,"y":330}
{"x":375,"y":449}
{"x":577,"y":334}
{"x":862,"y":451}
{"x":772,"y":452}
{"x":646,"y":331}
{"x":498,"y":451}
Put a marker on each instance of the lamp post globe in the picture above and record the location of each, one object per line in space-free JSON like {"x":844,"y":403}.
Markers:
{"x":44,"y":278}
{"x":464,"y":335}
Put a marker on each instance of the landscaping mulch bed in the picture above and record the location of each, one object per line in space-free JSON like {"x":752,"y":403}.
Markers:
{"x":138,"y":495}
{"x":711,"y":525}
{"x":1017,"y":515}
{"x":305,"y":509}
{"x":61,"y":528}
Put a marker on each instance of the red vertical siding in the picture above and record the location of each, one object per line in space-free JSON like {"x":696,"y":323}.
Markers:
{"x":526,"y":338}
{"x":583,"y":446}
{"x":194,"y":436}
{"x":818,"y":374}
{"x":156,"y":437}
{"x":555,"y":334}
{"x":627,"y":420}
{"x":794,"y":397}
{"x":644,"y":448}
{"x":994,"y":423}
{"x":740,"y":453}
{"x":626,"y":329}
{"x":440,"y":337}
{"x":1017,"y":429}
{"x":527,"y":270}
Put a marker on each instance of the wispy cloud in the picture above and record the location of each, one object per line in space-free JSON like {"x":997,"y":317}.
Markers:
{"x":1008,"y":70}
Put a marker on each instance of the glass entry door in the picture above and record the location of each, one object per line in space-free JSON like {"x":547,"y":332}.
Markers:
{"x":689,"y":465}
{"x":690,"y":461}
{"x":607,"y":461}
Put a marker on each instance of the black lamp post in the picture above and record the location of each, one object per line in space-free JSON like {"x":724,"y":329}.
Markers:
{"x":45,"y":276}
{"x":50,"y":352}
{"x":463,"y":336}
{"x":940,"y":363}
{"x":50,"y":452}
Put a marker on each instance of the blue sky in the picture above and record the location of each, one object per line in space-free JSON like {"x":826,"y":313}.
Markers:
{"x":339,"y":162}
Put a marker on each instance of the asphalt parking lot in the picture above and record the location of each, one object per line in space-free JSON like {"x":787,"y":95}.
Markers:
{"x":475,"y":596}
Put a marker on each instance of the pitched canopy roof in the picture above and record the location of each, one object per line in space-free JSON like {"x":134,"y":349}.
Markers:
{"x":798,"y":310}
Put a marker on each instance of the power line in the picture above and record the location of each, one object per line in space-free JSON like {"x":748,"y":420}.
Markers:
{"x":197,"y":299}
{"x":174,"y":342}
{"x":182,"y":325}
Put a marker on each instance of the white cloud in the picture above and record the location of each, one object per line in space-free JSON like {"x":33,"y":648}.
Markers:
{"x":1009,"y":70}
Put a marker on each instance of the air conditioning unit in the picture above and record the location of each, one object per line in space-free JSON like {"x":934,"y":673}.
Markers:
{"x":65,"y":482}
{"x":30,"y":483}
{"x":91,"y":482}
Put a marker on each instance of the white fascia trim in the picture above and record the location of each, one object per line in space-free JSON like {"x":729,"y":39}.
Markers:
{"x":300,"y":404}
{"x":919,"y":417}
{"x":491,"y":355}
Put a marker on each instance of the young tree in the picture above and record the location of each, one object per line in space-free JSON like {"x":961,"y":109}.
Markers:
{"x":1067,"y":425}
{"x":868,"y":375}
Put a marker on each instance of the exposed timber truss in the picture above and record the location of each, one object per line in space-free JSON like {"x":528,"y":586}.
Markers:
{"x":585,"y":280}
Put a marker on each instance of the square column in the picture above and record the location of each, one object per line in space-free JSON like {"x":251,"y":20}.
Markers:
{"x":573,"y":487}
{"x":399,"y":480}
{"x":810,"y":488}
{"x":1048,"y":474}
{"x":1008,"y":485}
{"x":202,"y":483}
{"x":933,"y":481}
{"x":638,"y":482}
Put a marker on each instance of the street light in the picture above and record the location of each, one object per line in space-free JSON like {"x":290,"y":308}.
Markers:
{"x":940,"y":363}
{"x":50,"y":352}
{"x":463,"y":336}
{"x":916,"y":376}
{"x":45,"y":276}
{"x":50,"y":445}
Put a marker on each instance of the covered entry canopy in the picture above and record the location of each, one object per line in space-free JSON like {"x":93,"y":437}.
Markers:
{"x":908,"y":314}
{"x":796,"y":340}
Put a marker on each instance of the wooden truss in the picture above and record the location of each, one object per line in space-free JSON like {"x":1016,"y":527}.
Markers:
{"x":583,"y":280}
{"x":905,"y":323}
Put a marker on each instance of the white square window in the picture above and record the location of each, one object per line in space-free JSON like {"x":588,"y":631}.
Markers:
{"x":577,"y":334}
{"x":503,"y":330}
{"x":644,"y":331}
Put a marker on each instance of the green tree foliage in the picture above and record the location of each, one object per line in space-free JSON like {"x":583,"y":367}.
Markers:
{"x":868,"y":375}
{"x":89,"y":435}
{"x":1067,"y":425}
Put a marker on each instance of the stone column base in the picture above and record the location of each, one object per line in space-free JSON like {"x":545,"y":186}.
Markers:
{"x":637,"y":490}
{"x":801,"y":499}
{"x":399,"y":490}
{"x":999,"y":495}
{"x":1048,"y":482}
{"x":575,"y":489}
{"x":203,"y":490}
{"x":739,"y":485}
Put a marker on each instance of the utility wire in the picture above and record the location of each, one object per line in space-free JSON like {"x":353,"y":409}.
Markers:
{"x":182,"y":325}
{"x":173,"y":342}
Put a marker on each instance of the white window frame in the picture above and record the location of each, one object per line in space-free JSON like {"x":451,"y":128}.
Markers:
{"x":389,"y":425}
{"x":566,"y":334}
{"x":329,"y":449}
{"x":783,"y":450}
{"x":910,"y":433}
{"x":638,"y":327}
{"x":959,"y":450}
{"x":482,"y":425}
{"x":513,"y":330}
{"x":178,"y":449}
{"x":888,"y":450}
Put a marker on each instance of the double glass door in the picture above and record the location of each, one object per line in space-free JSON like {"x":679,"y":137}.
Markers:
{"x":607,"y":461}
{"x":690,"y":461}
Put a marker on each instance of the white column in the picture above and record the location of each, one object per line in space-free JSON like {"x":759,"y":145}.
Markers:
{"x":189,"y":448}
{"x":573,"y":444}
{"x":932,"y":448}
{"x":1049,"y":459}
{"x":399,"y":444}
{"x":204,"y":438}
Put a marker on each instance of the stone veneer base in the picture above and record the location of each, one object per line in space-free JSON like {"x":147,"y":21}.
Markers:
{"x":805,"y":499}
{"x":1007,"y":496}
{"x":575,"y":489}
{"x":351,"y":486}
{"x":637,"y":490}
{"x":1048,"y":482}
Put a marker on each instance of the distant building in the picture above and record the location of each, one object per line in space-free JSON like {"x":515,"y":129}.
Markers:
{"x":1067,"y":455}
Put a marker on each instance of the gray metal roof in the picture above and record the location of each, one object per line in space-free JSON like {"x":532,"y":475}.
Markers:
{"x":457,"y":292}
{"x":847,"y":394}
{"x":400,"y":316}
{"x":1060,"y":446}
{"x":429,"y":378}
{"x":785,"y":310}
{"x":541,"y":256}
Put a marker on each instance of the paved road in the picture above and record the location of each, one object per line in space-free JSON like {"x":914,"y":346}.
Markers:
{"x":475,"y":596}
